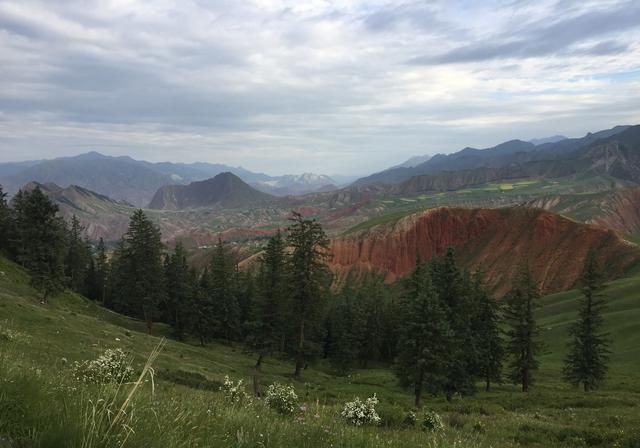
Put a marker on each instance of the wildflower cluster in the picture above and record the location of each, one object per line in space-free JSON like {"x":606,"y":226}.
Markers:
{"x":358,"y":412}
{"x":281,"y":398}
{"x":113,"y":366}
{"x":432,"y":422}
{"x":9,"y":335}
{"x":233,"y":392}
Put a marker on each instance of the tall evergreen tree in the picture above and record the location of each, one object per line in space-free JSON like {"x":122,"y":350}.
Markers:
{"x":269,"y":309}
{"x":77,"y":258}
{"x":455,"y":291}
{"x":41,"y":240}
{"x":309,"y":283}
{"x":523,"y":334}
{"x":101,"y":271}
{"x":140,"y":269}
{"x":489,"y":339}
{"x":199,"y":312}
{"x":425,"y":337}
{"x":222,"y":291}
{"x":177,"y":289}
{"x":6,"y":224}
{"x":588,"y":356}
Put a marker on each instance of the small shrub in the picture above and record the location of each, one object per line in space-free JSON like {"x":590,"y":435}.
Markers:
{"x":410,"y":419}
{"x":358,"y":412}
{"x":113,"y":366}
{"x":457,"y":421}
{"x":281,"y":398}
{"x":234,"y":393}
{"x":432,"y":422}
{"x":479,"y":427}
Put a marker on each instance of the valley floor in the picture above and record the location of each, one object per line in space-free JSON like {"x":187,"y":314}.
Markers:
{"x":42,"y":405}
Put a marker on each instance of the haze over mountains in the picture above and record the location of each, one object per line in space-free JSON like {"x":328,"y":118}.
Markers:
{"x":135,"y":181}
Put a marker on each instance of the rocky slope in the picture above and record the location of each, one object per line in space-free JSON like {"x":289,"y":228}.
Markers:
{"x":226,"y":190}
{"x":495,"y":241}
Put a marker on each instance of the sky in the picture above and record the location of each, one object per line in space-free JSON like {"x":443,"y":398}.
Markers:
{"x":288,"y":86}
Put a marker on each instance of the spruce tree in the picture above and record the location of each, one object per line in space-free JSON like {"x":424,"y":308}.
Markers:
{"x":77,"y":258}
{"x":6,"y":224}
{"x":177,"y":289}
{"x":425,"y":337}
{"x":268,"y":312}
{"x":101,"y":271}
{"x":455,"y":291}
{"x":225,"y":303}
{"x":587,"y":360}
{"x":489,"y":339}
{"x":141,"y":269}
{"x":523,"y":333}
{"x":309,"y":282}
{"x":40,"y":235}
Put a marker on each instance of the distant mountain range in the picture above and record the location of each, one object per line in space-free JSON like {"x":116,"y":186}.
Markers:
{"x":226,"y":190}
{"x":136,"y":181}
{"x":504,"y":155}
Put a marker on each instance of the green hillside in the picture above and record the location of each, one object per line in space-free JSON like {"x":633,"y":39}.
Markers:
{"x":42,"y":405}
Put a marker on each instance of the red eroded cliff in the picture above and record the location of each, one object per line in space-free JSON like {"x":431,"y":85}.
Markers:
{"x":495,"y":241}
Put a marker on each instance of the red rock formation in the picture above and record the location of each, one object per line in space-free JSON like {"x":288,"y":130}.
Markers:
{"x":621,"y":211}
{"x":495,"y":241}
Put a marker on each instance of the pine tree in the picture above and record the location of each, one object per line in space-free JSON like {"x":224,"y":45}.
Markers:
{"x":77,"y":258}
{"x":226,"y":307}
{"x":40,"y":235}
{"x":341,"y":345}
{"x":523,"y":334}
{"x":177,"y":289}
{"x":588,"y":356}
{"x":101,"y":271}
{"x":490,"y":343}
{"x":268,"y":312}
{"x":455,"y":291}
{"x":199,"y":313}
{"x":140,"y":269}
{"x":6,"y":224}
{"x":425,"y":337}
{"x":309,"y":283}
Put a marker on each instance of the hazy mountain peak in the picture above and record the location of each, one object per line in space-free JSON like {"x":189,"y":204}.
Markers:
{"x":552,"y":139}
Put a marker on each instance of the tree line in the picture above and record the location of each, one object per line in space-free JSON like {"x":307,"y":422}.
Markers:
{"x":440,"y":328}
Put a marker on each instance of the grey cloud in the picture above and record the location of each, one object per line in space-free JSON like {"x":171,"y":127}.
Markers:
{"x":541,"y":39}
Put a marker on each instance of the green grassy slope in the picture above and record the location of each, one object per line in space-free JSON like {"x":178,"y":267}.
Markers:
{"x":36,"y":361}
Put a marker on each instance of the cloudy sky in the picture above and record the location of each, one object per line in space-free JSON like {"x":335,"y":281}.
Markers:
{"x":344,"y":86}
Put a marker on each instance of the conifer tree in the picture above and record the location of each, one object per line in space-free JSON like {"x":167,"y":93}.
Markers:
{"x":309,"y":283}
{"x":101,"y":271}
{"x":141,"y":269}
{"x":455,"y":291}
{"x":489,"y":339}
{"x":77,"y":258}
{"x":268,"y":313}
{"x":425,"y":337}
{"x":6,"y":224}
{"x":225,"y":303}
{"x":40,"y":235}
{"x":523,"y":333}
{"x":587,"y":360}
{"x":341,"y":333}
{"x":177,"y":289}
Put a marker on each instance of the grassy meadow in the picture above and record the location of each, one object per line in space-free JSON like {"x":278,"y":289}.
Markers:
{"x":179,"y":405}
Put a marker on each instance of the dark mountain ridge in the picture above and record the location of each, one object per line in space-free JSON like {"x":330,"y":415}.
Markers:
{"x":225,"y":190}
{"x":504,"y":154}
